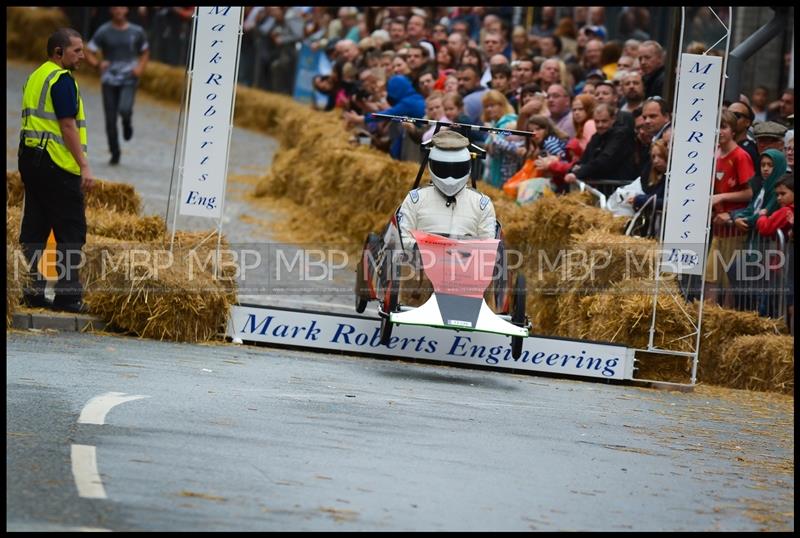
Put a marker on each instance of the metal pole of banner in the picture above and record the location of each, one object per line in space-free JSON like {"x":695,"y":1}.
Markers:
{"x":230,"y":134}
{"x":713,"y":175}
{"x":181,"y":136}
{"x":724,"y":75}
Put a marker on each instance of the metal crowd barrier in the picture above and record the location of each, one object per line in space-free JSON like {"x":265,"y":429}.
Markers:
{"x":646,"y":222}
{"x":607,"y":186}
{"x":762,"y":285}
{"x":601,"y":198}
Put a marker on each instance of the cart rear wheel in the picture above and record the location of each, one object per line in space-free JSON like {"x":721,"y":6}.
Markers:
{"x":361,"y":294}
{"x":518,"y":314}
{"x":362,"y":290}
{"x":390,"y":305}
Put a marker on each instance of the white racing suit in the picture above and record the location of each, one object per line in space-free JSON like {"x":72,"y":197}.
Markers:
{"x":426,"y":209}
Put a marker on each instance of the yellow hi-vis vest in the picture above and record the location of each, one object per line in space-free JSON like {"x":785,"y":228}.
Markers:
{"x":39,"y":121}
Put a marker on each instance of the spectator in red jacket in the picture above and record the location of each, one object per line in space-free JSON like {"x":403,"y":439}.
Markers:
{"x":783,"y":218}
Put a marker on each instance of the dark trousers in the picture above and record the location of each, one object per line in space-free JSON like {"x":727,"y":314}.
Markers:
{"x":53,"y":200}
{"x":117,"y":101}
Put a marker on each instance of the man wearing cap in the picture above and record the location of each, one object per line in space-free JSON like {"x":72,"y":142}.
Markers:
{"x":447,"y":206}
{"x":769,"y":135}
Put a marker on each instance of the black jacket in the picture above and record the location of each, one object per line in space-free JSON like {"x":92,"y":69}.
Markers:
{"x":608,"y":156}
{"x":654,"y":83}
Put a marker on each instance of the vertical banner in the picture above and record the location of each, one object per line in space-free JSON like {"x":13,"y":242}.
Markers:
{"x":692,"y":164}
{"x":307,"y":62}
{"x":209,"y":117}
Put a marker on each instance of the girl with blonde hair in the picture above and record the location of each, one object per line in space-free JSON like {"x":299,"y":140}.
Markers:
{"x":505,"y":152}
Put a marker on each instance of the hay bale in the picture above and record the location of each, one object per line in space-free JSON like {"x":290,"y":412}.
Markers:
{"x":15,"y":279}
{"x":107,"y":195}
{"x":13,"y":223}
{"x":199,"y":249}
{"x":549,"y":223}
{"x":171,"y":305}
{"x":325,"y":182}
{"x":124,"y":226}
{"x":164,"y":81}
{"x":15,"y":190}
{"x":721,"y":326}
{"x":100,"y":253}
{"x":661,"y":367}
{"x":622,"y":315}
{"x":28,"y":30}
{"x":759,"y":362}
{"x":114,"y":196}
{"x":131,"y":286}
{"x":600,"y":259}
{"x":196,"y":251}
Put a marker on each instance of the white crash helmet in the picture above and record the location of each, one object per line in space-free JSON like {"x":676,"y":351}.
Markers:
{"x":449,"y":162}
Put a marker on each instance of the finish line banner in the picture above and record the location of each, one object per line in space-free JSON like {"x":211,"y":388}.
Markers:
{"x":210,"y":114}
{"x":688,"y":190}
{"x":358,"y":334}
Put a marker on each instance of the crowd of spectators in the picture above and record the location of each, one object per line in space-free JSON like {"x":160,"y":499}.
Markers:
{"x":593,"y":101}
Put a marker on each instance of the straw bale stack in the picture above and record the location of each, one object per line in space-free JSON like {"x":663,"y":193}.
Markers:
{"x":114,"y":196}
{"x":142,"y":288}
{"x":330,"y":183}
{"x":166,"y":306}
{"x":15,"y":190}
{"x":193,"y":250}
{"x":549,"y":223}
{"x":28,"y":29}
{"x":106,"y":195}
{"x":600,"y":259}
{"x":542,"y":301}
{"x":99,"y":253}
{"x":759,"y":362}
{"x":198,"y":249}
{"x":124,"y":226}
{"x":259,"y":110}
{"x":164,"y":81}
{"x":13,"y":285}
{"x":663,"y":367}
{"x":622,"y":315}
{"x":721,"y":326}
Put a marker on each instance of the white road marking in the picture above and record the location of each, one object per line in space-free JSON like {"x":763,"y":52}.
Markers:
{"x":84,"y":457}
{"x":84,"y":469}
{"x":95,"y":411}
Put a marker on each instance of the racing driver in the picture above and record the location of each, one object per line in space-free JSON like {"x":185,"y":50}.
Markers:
{"x":447,"y":207}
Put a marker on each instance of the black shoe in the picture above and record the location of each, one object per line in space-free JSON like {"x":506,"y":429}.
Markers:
{"x":127,"y":131}
{"x":114,"y":159}
{"x":75,"y":307}
{"x":35,"y":301}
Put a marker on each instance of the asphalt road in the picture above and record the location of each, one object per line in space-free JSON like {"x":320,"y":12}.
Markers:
{"x":246,"y":438}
